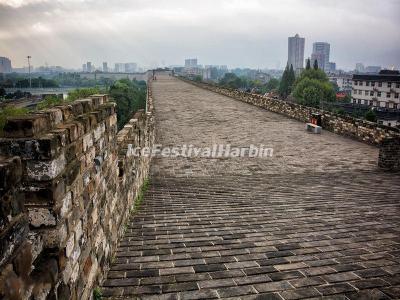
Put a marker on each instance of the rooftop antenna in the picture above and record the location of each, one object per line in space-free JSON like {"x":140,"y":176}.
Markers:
{"x":29,"y":68}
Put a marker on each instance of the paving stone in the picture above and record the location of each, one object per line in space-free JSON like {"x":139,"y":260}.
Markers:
{"x":236,"y":291}
{"x":300,"y":293}
{"x":241,"y":265}
{"x":367,"y":294}
{"x":202,"y":294}
{"x":177,"y":270}
{"x":252,"y":279}
{"x":336,"y":288}
{"x":272,"y":286}
{"x":307,"y":281}
{"x":177,"y":287}
{"x":226,"y":274}
{"x":216,"y":283}
{"x":209,"y":268}
{"x":338,"y":277}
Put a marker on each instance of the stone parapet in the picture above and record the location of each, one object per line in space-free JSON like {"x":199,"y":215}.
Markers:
{"x":63,"y":198}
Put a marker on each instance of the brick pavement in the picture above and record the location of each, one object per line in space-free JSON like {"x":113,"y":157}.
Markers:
{"x":315,"y":220}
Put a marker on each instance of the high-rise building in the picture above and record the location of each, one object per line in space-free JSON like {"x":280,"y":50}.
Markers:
{"x":332,"y":67}
{"x":105,"y":67}
{"x":119,"y":68}
{"x":89,"y":66}
{"x":191,"y":63}
{"x":360,"y":68}
{"x":84,"y":68}
{"x":5,"y":65}
{"x":321,"y":51}
{"x":130,"y":67}
{"x":296,"y":52}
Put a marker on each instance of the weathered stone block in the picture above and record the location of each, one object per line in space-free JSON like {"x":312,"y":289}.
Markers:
{"x":87,"y":105}
{"x":45,"y":170}
{"x":41,"y":216}
{"x":10,"y":173}
{"x":26,"y":126}
{"x":43,"y":193}
{"x":55,"y":115}
{"x":12,"y":237}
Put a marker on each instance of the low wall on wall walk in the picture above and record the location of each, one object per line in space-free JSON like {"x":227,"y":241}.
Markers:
{"x":67,"y":184}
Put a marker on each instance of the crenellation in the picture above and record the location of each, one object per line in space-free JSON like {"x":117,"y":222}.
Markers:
{"x":62,"y":197}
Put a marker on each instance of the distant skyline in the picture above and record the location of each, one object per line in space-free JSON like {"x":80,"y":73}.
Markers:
{"x":248,"y":33}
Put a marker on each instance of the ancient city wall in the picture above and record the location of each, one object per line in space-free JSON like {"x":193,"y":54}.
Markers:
{"x":67,"y":184}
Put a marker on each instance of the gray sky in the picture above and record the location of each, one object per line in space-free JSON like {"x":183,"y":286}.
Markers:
{"x":240,"y":33}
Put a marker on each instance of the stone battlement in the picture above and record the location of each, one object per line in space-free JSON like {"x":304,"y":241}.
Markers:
{"x":67,"y":184}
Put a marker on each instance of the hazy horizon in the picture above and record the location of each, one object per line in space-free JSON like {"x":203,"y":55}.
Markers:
{"x":237,"y":33}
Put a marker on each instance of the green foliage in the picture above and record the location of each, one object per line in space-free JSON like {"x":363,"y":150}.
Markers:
{"x":38,"y":82}
{"x":139,"y":199}
{"x":83,"y":93}
{"x":287,"y":81}
{"x":271,"y":85}
{"x":10,"y":111}
{"x":232,"y":81}
{"x":370,"y":116}
{"x":198,"y":78}
{"x":2,"y":92}
{"x":313,"y":74}
{"x":130,"y":96}
{"x":310,"y":92}
{"x":49,"y":101}
{"x":97,"y":294}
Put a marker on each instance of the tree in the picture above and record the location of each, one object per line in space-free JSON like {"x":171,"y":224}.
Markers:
{"x":130,"y":96}
{"x":370,"y":116}
{"x":2,"y":92}
{"x":232,"y":81}
{"x":315,"y":65}
{"x":292,"y":77}
{"x":308,"y":67}
{"x":310,"y":92}
{"x":272,"y":84}
{"x":284,"y":84}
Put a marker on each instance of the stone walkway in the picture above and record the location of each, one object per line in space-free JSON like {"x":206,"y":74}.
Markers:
{"x":315,"y":220}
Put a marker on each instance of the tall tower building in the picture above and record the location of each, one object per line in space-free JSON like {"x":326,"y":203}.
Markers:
{"x":296,"y":52}
{"x":89,"y":66}
{"x":105,"y":67}
{"x":321,"y":53}
{"x":5,"y":65}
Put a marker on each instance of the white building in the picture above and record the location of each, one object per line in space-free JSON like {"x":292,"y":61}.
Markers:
{"x":344,"y":82}
{"x":377,"y":90}
{"x":119,"y":67}
{"x":89,"y":67}
{"x":105,"y":67}
{"x":191,"y":63}
{"x":296,"y":52}
{"x":130,"y":67}
{"x":5,"y":65}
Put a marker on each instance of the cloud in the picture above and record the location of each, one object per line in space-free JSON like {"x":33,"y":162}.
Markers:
{"x":233,"y":32}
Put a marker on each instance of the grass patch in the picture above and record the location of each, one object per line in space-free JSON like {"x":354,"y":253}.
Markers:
{"x":10,"y":111}
{"x":97,"y":294}
{"x":139,"y":199}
